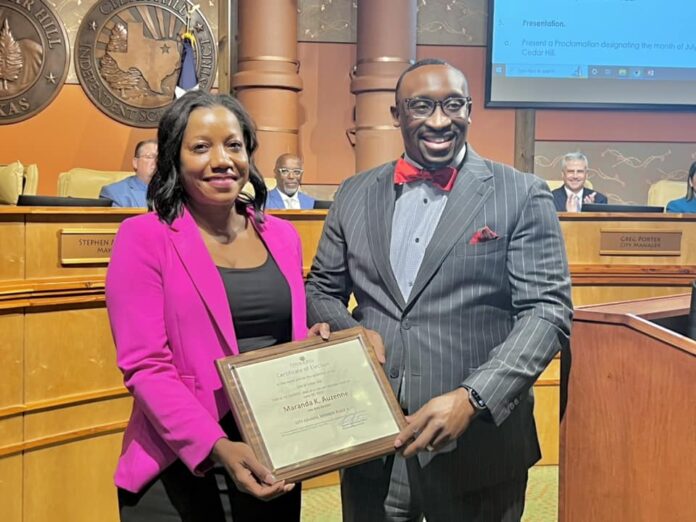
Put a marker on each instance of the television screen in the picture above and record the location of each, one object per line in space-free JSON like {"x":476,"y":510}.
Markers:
{"x":633,"y":54}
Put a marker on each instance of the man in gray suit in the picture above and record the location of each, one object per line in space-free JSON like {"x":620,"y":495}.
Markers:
{"x":458,"y":264}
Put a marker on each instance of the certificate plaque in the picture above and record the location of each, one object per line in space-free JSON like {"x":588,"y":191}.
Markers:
{"x":313,"y":406}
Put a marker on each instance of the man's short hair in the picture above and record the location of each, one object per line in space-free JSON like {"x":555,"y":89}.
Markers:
{"x":140,"y":145}
{"x":418,"y":65}
{"x":573,"y":156}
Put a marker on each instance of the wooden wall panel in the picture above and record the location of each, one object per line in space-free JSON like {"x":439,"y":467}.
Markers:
{"x":546,"y":412}
{"x":11,"y":359}
{"x":12,"y":251}
{"x":43,"y":244}
{"x":11,"y":488}
{"x":72,"y":481}
{"x":91,"y":416}
{"x":69,"y":351}
{"x":586,"y":295}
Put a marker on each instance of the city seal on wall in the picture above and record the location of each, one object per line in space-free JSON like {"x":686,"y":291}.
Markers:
{"x":34,"y":58}
{"x":128,"y":56}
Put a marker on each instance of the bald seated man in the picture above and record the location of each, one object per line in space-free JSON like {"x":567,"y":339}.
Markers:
{"x":288,"y":173}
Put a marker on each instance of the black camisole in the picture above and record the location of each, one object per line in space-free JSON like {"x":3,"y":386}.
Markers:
{"x":260,"y":303}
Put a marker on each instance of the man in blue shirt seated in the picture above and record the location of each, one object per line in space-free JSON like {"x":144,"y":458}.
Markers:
{"x":132,"y":191}
{"x":288,"y":173}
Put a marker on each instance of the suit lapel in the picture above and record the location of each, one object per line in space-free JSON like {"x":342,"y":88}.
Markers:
{"x":471,"y":189}
{"x":190,"y":248}
{"x":379,"y":209}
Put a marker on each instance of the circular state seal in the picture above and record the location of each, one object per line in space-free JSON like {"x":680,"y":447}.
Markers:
{"x":128,"y":56}
{"x":34,"y":58}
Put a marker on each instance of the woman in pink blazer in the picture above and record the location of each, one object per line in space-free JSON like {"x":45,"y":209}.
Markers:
{"x":206,"y":275}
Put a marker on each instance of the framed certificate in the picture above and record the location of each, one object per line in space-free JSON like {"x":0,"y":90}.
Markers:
{"x":313,"y":406}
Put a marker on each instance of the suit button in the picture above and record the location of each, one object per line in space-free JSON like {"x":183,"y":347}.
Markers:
{"x":405,"y":324}
{"x":511,"y":407}
{"x":393,"y":373}
{"x":516,"y":401}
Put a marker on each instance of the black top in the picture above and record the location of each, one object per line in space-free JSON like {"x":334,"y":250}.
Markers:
{"x":260,"y":303}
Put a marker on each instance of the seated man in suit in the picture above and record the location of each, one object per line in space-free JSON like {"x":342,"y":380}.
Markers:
{"x":132,"y":191}
{"x":288,"y":173}
{"x":571,"y":196}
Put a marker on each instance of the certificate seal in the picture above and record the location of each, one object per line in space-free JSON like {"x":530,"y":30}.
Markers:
{"x":34,"y":58}
{"x":128,"y":56}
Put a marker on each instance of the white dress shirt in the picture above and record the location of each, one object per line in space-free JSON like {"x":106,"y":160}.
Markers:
{"x":290,"y":202}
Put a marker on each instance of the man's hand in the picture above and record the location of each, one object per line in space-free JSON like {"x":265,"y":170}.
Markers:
{"x":441,"y":420}
{"x":376,"y":341}
{"x":322,"y":329}
{"x":249,"y":475}
{"x":589,"y":198}
{"x":572,"y":203}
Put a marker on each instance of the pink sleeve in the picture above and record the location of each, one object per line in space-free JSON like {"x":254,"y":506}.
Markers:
{"x":135,"y":303}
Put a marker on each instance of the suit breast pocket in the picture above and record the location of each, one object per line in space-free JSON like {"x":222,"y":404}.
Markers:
{"x":487,"y":248}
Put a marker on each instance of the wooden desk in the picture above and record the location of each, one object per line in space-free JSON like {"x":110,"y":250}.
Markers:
{"x":62,"y":403}
{"x":63,"y":406}
{"x":602,"y":277}
{"x":627,"y":436}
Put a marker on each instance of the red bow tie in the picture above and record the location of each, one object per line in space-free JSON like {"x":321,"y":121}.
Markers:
{"x":406,"y":173}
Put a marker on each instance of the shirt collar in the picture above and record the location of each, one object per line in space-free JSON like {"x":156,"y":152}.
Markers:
{"x":285,"y":197}
{"x":570,"y":192}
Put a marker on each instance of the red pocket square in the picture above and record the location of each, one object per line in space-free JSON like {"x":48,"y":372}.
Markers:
{"x":483,"y":235}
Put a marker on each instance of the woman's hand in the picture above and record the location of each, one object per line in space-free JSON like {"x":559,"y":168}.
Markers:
{"x":249,"y":475}
{"x":322,"y":329}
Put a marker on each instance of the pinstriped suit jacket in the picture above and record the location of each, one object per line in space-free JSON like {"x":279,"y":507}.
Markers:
{"x":489,"y":315}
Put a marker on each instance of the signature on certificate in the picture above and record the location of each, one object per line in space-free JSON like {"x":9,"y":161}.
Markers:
{"x":353,"y":419}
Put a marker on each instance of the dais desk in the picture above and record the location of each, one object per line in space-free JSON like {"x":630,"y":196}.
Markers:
{"x":62,"y":403}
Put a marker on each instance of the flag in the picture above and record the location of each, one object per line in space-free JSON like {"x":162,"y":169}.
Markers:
{"x":188,"y":81}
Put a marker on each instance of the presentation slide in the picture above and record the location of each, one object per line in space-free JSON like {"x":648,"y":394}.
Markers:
{"x":592,"y":53}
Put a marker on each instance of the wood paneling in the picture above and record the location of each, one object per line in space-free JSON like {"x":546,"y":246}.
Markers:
{"x":68,"y":351}
{"x":72,"y":481}
{"x":11,"y":359}
{"x":12,"y":251}
{"x":72,"y":419}
{"x":546,"y":412}
{"x":627,"y":436}
{"x":11,"y":488}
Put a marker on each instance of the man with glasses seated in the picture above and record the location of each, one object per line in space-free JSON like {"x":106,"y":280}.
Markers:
{"x":132,"y":191}
{"x":457,"y":265}
{"x":288,"y":173}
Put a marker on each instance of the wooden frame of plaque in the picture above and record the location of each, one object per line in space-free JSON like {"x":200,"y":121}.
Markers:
{"x":315,"y":378}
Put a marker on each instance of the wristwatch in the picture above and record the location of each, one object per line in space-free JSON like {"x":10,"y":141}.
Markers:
{"x":476,"y":401}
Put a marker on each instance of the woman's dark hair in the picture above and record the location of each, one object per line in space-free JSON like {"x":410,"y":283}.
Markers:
{"x":689,"y":187}
{"x":165,"y":193}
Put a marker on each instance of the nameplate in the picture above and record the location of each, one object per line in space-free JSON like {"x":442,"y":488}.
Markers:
{"x":631,"y":242}
{"x":86,"y":246}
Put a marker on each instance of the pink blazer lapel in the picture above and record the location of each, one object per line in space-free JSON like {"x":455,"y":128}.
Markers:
{"x":195,"y":258}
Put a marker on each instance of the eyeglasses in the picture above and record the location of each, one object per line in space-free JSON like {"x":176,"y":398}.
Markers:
{"x":148,"y":156}
{"x":286,"y":172}
{"x":453,"y":107}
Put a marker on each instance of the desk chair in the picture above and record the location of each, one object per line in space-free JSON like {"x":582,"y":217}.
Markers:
{"x":664,"y":191}
{"x":87,"y":183}
{"x":15,"y":180}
